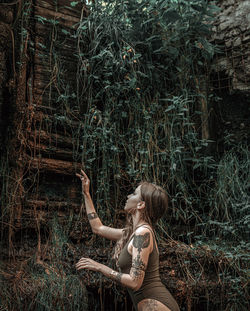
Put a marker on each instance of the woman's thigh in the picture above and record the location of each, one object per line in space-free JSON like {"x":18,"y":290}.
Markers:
{"x":151,"y":305}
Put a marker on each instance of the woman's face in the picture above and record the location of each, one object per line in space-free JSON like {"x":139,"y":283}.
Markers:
{"x":133,"y":200}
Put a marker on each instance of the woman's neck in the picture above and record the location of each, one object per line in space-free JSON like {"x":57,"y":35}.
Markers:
{"x":137,"y":221}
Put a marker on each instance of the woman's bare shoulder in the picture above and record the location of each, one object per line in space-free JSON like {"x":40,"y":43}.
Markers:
{"x":143,"y":229}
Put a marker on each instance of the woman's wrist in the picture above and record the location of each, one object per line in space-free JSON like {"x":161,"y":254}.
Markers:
{"x":86,"y":195}
{"x":100,"y":268}
{"x":110,"y":273}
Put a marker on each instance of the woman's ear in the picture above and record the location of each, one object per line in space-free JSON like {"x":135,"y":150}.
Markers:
{"x":141,"y":205}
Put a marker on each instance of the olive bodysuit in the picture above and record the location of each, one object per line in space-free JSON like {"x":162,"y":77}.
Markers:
{"x":152,"y":287}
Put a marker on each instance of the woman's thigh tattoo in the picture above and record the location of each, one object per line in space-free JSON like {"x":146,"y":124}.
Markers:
{"x":149,"y":305}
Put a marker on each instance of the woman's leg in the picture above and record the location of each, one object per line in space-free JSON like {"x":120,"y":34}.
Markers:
{"x":151,"y":305}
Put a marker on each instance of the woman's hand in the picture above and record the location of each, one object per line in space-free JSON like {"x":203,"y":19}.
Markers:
{"x":85,"y":182}
{"x":89,"y":264}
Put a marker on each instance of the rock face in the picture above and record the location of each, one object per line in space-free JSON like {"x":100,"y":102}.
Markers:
{"x":231,"y":75}
{"x":232,"y":35}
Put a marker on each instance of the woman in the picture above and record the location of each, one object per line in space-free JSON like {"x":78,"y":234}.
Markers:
{"x":136,"y":249}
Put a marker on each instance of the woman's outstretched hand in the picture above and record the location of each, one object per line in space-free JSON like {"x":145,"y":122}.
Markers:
{"x":85,"y":182}
{"x":87,"y":263}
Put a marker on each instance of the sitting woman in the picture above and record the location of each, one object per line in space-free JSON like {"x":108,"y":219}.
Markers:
{"x":136,"y":250}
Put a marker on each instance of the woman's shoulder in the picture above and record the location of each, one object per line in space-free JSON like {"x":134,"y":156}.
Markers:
{"x":143,"y":238}
{"x":144,"y":232}
{"x":143,"y":229}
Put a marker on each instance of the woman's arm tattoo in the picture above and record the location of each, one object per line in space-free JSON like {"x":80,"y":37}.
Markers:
{"x":92,"y":216}
{"x":141,"y":241}
{"x":116,"y":276}
{"x":136,"y":274}
{"x":137,"y":263}
{"x":138,"y":267}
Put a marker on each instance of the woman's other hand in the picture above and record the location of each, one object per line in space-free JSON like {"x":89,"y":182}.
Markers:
{"x":87,"y":263}
{"x":85,"y":182}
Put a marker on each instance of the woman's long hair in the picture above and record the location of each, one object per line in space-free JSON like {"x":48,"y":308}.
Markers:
{"x":156,"y":204}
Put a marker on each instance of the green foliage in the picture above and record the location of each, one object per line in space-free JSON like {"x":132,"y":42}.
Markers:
{"x":231,"y":194}
{"x":39,"y":285}
{"x":138,"y":74}
{"x":141,"y":71}
{"x":65,"y":293}
{"x":59,"y":288}
{"x":142,"y":66}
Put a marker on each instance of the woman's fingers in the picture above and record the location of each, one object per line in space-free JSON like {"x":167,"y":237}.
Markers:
{"x":85,"y":182}
{"x":83,"y":177}
{"x":84,"y":174}
{"x":80,"y":176}
{"x":85,"y":263}
{"x":81,"y":264}
{"x":82,"y":261}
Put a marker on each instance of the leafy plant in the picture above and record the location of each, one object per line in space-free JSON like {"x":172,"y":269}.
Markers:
{"x":142,"y":78}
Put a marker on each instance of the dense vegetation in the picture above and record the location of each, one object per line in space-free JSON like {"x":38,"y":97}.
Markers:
{"x":142,"y":85}
{"x":142,"y":77}
{"x":145,"y":71}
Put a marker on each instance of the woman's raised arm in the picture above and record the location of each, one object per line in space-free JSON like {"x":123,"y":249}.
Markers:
{"x":95,"y":222}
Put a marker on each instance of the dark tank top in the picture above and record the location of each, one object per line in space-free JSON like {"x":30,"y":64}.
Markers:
{"x":152,"y":287}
